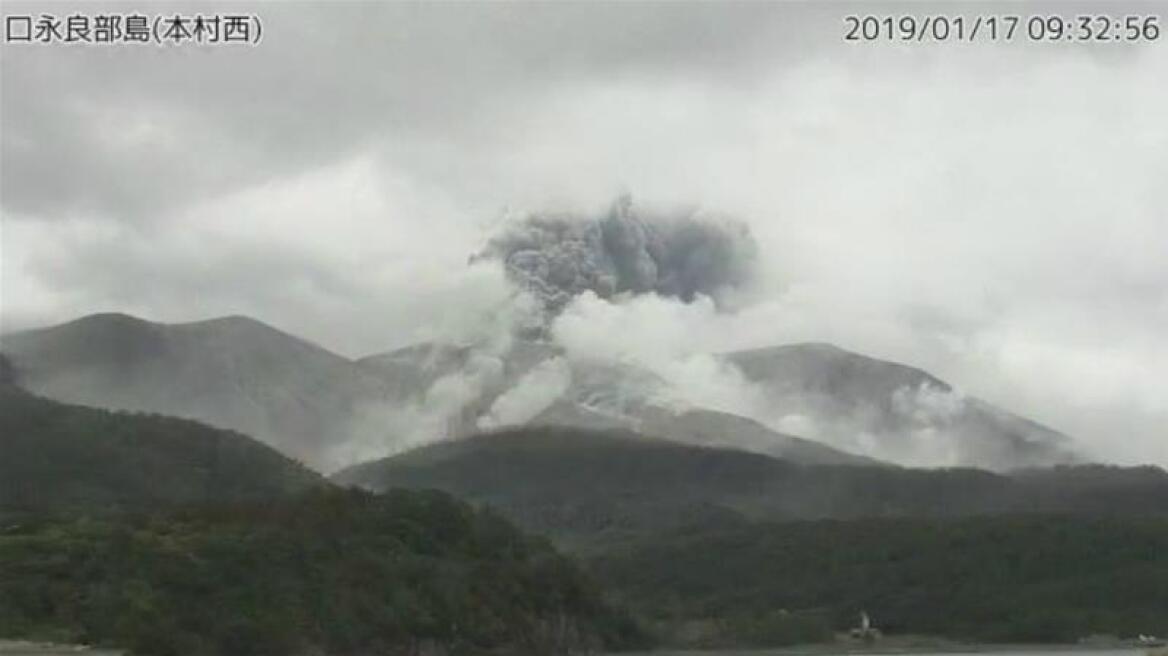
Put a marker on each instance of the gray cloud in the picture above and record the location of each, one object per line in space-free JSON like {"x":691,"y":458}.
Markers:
{"x":993,"y":213}
{"x":127,"y":131}
{"x":557,"y":257}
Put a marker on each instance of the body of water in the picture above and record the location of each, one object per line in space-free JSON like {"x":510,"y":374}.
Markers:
{"x":876,"y":650}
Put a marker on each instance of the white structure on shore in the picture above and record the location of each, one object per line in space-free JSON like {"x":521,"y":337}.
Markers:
{"x":866,"y":631}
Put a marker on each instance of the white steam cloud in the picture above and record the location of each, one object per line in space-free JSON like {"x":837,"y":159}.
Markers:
{"x":532,"y":394}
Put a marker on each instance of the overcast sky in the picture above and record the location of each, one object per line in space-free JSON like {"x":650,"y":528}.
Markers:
{"x":994,"y":213}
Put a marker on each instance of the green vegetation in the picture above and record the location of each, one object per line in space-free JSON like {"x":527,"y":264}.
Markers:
{"x":339,"y":572}
{"x":991,"y":579}
{"x":723,"y":548}
{"x":59,"y":457}
{"x":588,"y":488}
{"x":169,"y":537}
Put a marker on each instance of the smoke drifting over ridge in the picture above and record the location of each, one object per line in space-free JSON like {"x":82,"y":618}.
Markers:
{"x":556,"y":257}
{"x":572,"y":274}
{"x":616,"y":301}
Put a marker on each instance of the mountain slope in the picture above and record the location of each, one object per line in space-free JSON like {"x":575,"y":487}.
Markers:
{"x":595,"y":486}
{"x":593,"y":395}
{"x":232,"y":373}
{"x":328,"y":411}
{"x":865,"y":405}
{"x":820,"y":404}
{"x":64,"y":457}
{"x":701,"y":428}
{"x":846,"y":403}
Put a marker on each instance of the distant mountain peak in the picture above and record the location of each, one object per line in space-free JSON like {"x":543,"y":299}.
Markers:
{"x":237,"y":372}
{"x":100,"y":319}
{"x":231,"y":372}
{"x":229,"y":320}
{"x":120,"y":331}
{"x":108,"y":317}
{"x":866,"y":405}
{"x":827,"y":352}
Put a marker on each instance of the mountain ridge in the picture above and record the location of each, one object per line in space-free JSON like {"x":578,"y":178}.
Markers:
{"x":824,"y":404}
{"x":64,"y":458}
{"x":851,"y":401}
{"x":586,"y":487}
{"x":231,"y":372}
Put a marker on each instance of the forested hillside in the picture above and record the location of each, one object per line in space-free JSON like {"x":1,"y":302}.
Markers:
{"x":337,"y":572}
{"x":595,"y":487}
{"x":60,"y":457}
{"x":989,"y":579}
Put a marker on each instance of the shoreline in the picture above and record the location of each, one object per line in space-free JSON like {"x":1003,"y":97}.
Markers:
{"x":12,"y":647}
{"x":921,"y":647}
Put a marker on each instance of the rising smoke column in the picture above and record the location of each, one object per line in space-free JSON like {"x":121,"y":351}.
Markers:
{"x":556,"y":257}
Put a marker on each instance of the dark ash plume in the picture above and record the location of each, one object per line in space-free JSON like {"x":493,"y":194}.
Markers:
{"x":559,"y":256}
